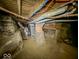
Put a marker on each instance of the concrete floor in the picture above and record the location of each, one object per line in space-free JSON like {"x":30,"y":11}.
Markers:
{"x":46,"y":47}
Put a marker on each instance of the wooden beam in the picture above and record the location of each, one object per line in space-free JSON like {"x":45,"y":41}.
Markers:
{"x":14,"y":14}
{"x":63,"y":1}
{"x":19,"y":4}
{"x":47,"y":7}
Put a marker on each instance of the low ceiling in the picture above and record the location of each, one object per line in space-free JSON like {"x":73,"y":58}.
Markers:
{"x":28,"y":6}
{"x":11,"y":5}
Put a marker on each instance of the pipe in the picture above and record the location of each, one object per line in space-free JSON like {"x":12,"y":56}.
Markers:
{"x":21,"y":26}
{"x":56,"y":17}
{"x":61,"y":16}
{"x":68,"y":3}
{"x":39,"y":8}
{"x":53,"y":21}
{"x":67,"y":14}
{"x":71,"y":12}
{"x":54,"y":13}
{"x":42,"y":5}
{"x":50,"y":13}
{"x":45,"y":8}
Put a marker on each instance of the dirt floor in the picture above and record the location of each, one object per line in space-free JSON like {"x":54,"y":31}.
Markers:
{"x":46,"y":48}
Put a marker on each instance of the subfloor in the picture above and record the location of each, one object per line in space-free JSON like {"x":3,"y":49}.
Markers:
{"x":46,"y":47}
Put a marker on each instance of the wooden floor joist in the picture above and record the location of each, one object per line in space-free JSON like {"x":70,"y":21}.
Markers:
{"x":14,"y":14}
